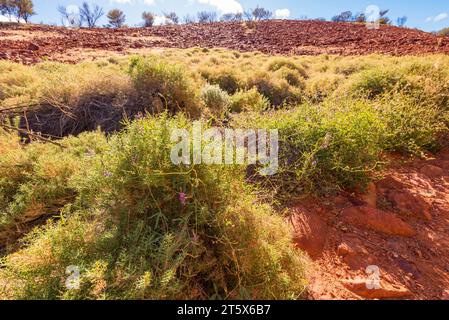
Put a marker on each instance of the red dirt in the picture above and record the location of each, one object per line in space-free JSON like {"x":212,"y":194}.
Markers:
{"x":31,"y":43}
{"x":412,"y":265}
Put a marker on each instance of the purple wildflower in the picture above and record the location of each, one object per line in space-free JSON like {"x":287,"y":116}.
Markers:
{"x":182,"y":198}
{"x":107,"y":174}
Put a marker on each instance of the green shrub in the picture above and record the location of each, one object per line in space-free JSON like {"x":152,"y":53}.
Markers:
{"x":215,"y":99}
{"x":427,"y":83}
{"x":35,"y":180}
{"x":227,"y":79}
{"x":250,"y":100}
{"x":293,"y":77}
{"x":278,"y":91}
{"x":278,"y":63}
{"x":410,"y":127}
{"x":374,"y":82}
{"x":149,"y":229}
{"x":348,"y":68}
{"x":322,"y":86}
{"x":17,"y":81}
{"x":443,"y":32}
{"x":323,"y":147}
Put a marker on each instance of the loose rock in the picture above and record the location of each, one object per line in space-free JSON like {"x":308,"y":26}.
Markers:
{"x":386,"y":290}
{"x":377,"y":220}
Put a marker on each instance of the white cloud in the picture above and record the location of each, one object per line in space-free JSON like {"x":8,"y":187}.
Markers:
{"x":282,"y":13}
{"x":4,"y":19}
{"x":160,"y":20}
{"x":149,"y":2}
{"x":440,"y":17}
{"x":122,"y":1}
{"x":225,"y":6}
{"x":8,"y":19}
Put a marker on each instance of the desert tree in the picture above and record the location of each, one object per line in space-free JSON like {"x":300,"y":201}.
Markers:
{"x":401,"y":21}
{"x":20,"y":9}
{"x":261,"y":14}
{"x":72,"y":18}
{"x":383,"y":19}
{"x":207,"y":16}
{"x":8,"y":8}
{"x":188,"y":19}
{"x":238,"y":16}
{"x":345,"y":16}
{"x":229,"y":17}
{"x":360,"y":17}
{"x":248,"y":15}
{"x":25,"y":9}
{"x":91,"y":15}
{"x":171,"y":17}
{"x":443,"y":32}
{"x":148,"y":19}
{"x":116,"y":18}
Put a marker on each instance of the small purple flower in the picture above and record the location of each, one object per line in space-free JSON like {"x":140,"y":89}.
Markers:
{"x":107,"y":174}
{"x":139,"y":115}
{"x":182,"y":198}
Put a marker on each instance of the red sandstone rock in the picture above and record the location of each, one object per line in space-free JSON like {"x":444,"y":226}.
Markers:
{"x":309,"y":232}
{"x":432,"y":171}
{"x":410,"y":204}
{"x":354,"y":254}
{"x":377,"y":220}
{"x":389,"y":183}
{"x":386,"y":290}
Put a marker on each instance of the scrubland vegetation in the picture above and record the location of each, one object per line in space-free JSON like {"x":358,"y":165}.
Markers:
{"x":107,"y":198}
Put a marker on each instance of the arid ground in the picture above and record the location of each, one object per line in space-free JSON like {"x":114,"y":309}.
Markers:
{"x":31,"y":44}
{"x":399,"y":222}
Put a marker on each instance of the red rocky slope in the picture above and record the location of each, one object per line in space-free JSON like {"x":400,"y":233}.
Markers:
{"x":29,"y":44}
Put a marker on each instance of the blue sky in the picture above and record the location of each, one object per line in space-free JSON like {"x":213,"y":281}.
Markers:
{"x":428,"y":15}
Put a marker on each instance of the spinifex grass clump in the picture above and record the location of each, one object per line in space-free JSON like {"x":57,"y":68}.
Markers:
{"x":145,"y":228}
{"x":249,"y":100}
{"x":36,"y":180}
{"x":60,"y":100}
{"x":164,"y":86}
{"x":226,"y":78}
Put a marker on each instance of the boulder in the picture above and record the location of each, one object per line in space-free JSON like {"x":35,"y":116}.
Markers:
{"x":385,"y":291}
{"x":432,"y":171}
{"x":388,"y":183}
{"x":354,"y":254}
{"x":377,"y":220}
{"x":410,"y":204}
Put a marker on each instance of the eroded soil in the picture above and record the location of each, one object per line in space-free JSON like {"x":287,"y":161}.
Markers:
{"x":400,"y":225}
